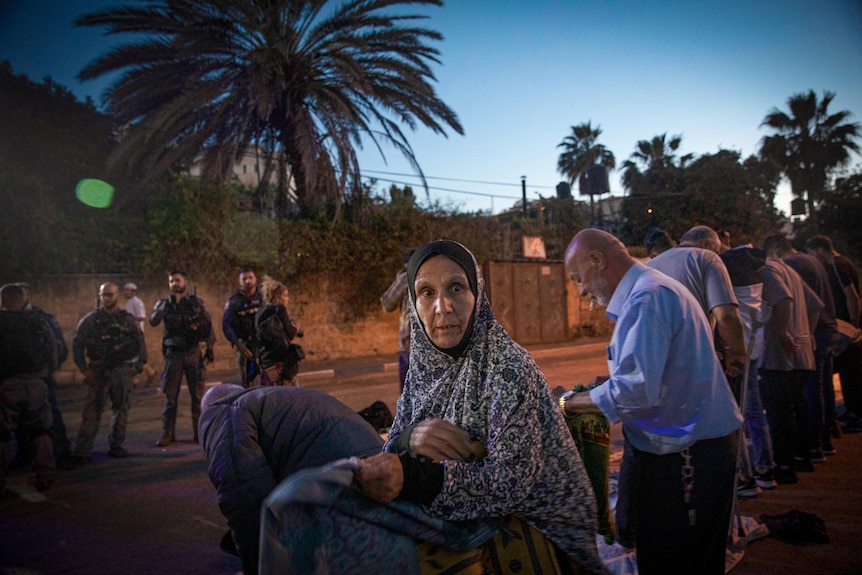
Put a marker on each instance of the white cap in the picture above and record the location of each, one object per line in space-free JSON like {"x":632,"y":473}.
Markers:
{"x":131,"y":286}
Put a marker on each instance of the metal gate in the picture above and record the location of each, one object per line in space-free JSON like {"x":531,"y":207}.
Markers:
{"x":531,"y":300}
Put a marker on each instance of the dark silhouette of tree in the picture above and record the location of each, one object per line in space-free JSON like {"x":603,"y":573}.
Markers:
{"x":809,"y":143}
{"x":840,"y":212}
{"x":581,"y":151}
{"x":304,"y":80}
{"x":653,"y":175}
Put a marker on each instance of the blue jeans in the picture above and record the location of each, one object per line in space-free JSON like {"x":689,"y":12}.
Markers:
{"x":815,"y":392}
{"x":759,"y":449}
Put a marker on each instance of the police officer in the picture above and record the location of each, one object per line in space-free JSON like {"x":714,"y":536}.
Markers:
{"x":187,"y":322}
{"x":27,"y":356}
{"x":108,"y":349}
{"x":62,"y":445}
{"x":238,"y":325}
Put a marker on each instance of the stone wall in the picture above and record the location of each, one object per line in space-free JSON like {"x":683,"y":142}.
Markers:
{"x":328,"y":336}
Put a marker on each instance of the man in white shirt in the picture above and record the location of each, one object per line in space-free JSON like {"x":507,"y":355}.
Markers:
{"x":134,"y":305}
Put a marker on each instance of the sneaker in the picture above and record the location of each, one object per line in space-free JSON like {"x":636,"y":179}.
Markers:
{"x":828,"y":448}
{"x":785,"y":475}
{"x":853,"y":425}
{"x":817,"y":456}
{"x":765,"y":480}
{"x":118,"y":452}
{"x":746,"y":488}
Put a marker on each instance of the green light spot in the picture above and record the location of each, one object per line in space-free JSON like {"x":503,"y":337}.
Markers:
{"x":94,"y":193}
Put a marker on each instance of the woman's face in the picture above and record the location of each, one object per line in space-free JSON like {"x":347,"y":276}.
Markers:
{"x":285,"y":298}
{"x":444,"y":301}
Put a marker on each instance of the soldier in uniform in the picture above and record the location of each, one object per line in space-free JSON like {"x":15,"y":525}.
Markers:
{"x":108,"y":349}
{"x":62,"y":445}
{"x":187,"y":322}
{"x":238,"y":325}
{"x":27,"y":356}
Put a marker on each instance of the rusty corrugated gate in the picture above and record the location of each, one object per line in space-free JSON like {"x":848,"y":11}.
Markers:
{"x":532,"y":300}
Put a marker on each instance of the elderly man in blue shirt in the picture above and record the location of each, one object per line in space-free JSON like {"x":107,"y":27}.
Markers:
{"x":668,"y":389}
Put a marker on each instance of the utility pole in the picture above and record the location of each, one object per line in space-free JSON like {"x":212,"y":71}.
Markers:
{"x":524,"y":195}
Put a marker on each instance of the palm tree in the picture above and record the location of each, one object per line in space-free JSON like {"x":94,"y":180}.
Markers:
{"x":654,"y":155}
{"x":809,"y":144}
{"x":581,"y":152}
{"x":305,"y":80}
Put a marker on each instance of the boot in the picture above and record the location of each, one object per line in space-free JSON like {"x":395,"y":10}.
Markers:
{"x":168,"y":435}
{"x":195,"y":419}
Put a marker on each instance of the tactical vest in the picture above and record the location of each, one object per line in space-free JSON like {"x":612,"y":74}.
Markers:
{"x":185,"y":324}
{"x":112,"y":337}
{"x":245,"y":309}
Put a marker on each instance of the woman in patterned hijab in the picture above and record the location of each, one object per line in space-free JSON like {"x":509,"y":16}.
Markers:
{"x":477,"y":433}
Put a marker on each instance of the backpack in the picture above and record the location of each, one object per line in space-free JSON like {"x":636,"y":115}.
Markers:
{"x":269,"y":333}
{"x":25,"y":343}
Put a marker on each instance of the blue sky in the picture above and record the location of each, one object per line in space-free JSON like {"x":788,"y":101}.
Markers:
{"x":520,"y":73}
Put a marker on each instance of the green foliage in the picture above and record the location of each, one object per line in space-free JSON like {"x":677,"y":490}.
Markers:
{"x":716,"y":190}
{"x":841,"y":214}
{"x":194,"y":226}
{"x":48,"y":143}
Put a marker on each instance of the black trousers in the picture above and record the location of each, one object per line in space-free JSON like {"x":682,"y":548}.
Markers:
{"x":783,"y":395}
{"x":666,"y":542}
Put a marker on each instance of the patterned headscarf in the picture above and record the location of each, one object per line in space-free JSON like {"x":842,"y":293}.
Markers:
{"x":461,"y":256}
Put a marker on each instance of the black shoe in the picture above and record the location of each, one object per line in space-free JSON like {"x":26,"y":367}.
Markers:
{"x":817,"y":456}
{"x":785,"y":475}
{"x":765,"y":480}
{"x":803,"y":464}
{"x":66,"y":461}
{"x":79,"y":460}
{"x":118,"y":452}
{"x":42,"y":483}
{"x":852,"y":425}
{"x":746,"y":489}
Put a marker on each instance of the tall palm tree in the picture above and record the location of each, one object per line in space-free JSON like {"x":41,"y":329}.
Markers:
{"x":306,"y":80}
{"x":581,"y":151}
{"x":809,"y":143}
{"x":653,"y":155}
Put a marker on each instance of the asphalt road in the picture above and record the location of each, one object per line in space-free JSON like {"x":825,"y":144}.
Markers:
{"x":156,"y":512}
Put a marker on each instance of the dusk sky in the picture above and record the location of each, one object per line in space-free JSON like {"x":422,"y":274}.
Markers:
{"x":520,"y":73}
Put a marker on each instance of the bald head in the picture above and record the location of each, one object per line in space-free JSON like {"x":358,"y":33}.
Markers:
{"x":597,"y":261}
{"x":701,"y":237}
{"x":109,"y":294}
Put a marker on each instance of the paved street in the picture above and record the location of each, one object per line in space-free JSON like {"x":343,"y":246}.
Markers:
{"x":156,"y":512}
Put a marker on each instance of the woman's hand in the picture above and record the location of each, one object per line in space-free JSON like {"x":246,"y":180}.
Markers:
{"x":380,"y":476}
{"x":439,"y":440}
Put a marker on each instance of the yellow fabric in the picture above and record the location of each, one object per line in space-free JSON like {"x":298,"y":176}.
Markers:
{"x":517,"y":548}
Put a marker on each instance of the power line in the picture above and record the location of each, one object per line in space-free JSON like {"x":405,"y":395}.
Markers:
{"x":455,"y":179}
{"x":436,"y":189}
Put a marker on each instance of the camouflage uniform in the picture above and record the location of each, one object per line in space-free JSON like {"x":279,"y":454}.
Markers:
{"x":187,"y":322}
{"x":108,"y":348}
{"x":24,"y":407}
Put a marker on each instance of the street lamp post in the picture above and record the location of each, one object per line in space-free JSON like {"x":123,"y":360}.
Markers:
{"x":524,"y":195}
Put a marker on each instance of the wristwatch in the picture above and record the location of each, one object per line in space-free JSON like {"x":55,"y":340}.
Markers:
{"x":563,"y":399}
